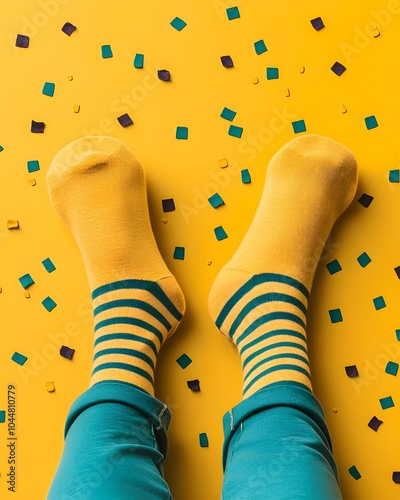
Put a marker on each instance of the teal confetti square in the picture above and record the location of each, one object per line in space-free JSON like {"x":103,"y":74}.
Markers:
{"x":138,"y":61}
{"x":371,"y":122}
{"x":2,"y":416}
{"x":179,"y":253}
{"x":335,"y":315}
{"x":48,"y":265}
{"x":49,"y":304}
{"x":354,"y":472}
{"x":299,"y":126}
{"x":334,"y":267}
{"x":182,"y":133}
{"x":260,"y":47}
{"x":386,"y":402}
{"x":184,"y":361}
{"x":1,"y":149}
{"x":178,"y":23}
{"x":48,"y":89}
{"x":272,"y":73}
{"x":398,"y":334}
{"x":220,"y":233}
{"x":392,"y":368}
{"x":379,"y":303}
{"x":26,"y":280}
{"x":228,"y":114}
{"x":235,"y":131}
{"x":364,"y":259}
{"x":215,"y":200}
{"x":106,"y":51}
{"x":394,"y":175}
{"x":233,"y":13}
{"x":203,"y":440}
{"x":18,"y":358}
{"x":245,"y":174}
{"x":33,"y":165}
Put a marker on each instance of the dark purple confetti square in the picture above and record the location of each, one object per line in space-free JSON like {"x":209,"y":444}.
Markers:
{"x":227,"y":61}
{"x":338,"y":68}
{"x":375,"y":423}
{"x":396,"y":477}
{"x":168,"y":205}
{"x":164,"y":75}
{"x":397,"y":271}
{"x":317,"y":23}
{"x":351,"y":371}
{"x":194,"y":385}
{"x":125,"y":120}
{"x":22,"y":41}
{"x":66,"y":352}
{"x":37,"y":127}
{"x":68,"y":29}
{"x":365,"y":200}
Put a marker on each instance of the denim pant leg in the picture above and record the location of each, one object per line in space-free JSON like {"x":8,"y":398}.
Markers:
{"x":115,"y":446}
{"x":277,"y":447}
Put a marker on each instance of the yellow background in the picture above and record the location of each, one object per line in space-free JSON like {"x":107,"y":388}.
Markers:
{"x":189,"y":172}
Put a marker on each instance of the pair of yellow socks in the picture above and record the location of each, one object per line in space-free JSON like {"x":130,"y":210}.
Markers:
{"x":258,"y":300}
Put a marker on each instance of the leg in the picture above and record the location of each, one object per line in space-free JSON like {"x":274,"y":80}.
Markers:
{"x":276,"y":439}
{"x":115,"y":435}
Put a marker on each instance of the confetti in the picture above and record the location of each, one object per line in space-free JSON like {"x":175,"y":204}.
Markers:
{"x":138,"y":61}
{"x":364,"y":259}
{"x":70,"y":78}
{"x":233,"y":13}
{"x":179,"y":253}
{"x":164,"y":75}
{"x":26,"y":280}
{"x":49,"y":304}
{"x":48,"y":265}
{"x":255,"y":80}
{"x":168,"y":205}
{"x":396,"y":477}
{"x":343,"y":108}
{"x":287,"y":92}
{"x":351,"y":371}
{"x":397,"y":271}
{"x":299,"y":126}
{"x":334,"y":267}
{"x":235,"y":131}
{"x":18,"y":358}
{"x":194,"y":385}
{"x":398,"y":335}
{"x":68,"y":29}
{"x":125,"y":120}
{"x":375,"y":423}
{"x":22,"y":41}
{"x":394,"y":175}
{"x":27,"y":295}
{"x":272,"y":73}
{"x":371,"y":122}
{"x":12,"y":224}
{"x":260,"y":47}
{"x":245,"y":174}
{"x":215,"y":200}
{"x":48,"y":89}
{"x":182,"y":133}
{"x":1,"y":149}
{"x":220,"y":233}
{"x":33,"y":166}
{"x":178,"y":23}
{"x":2,"y":416}
{"x":392,"y":368}
{"x":336,"y":315}
{"x":76,"y":108}
{"x":317,"y":23}
{"x":228,"y":114}
{"x":302,"y":69}
{"x":223,"y":162}
{"x":338,"y":68}
{"x":50,"y":387}
{"x":106,"y":51}
{"x":66,"y":352}
{"x":365,"y":200}
{"x":354,"y":472}
{"x":32,"y":182}
{"x":379,"y":303}
{"x":386,"y":402}
{"x":203,"y":439}
{"x":375,"y":31}
{"x":37,"y":127}
{"x":227,"y":61}
{"x":184,"y":361}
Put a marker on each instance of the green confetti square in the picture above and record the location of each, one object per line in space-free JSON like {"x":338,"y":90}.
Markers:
{"x":245,"y":174}
{"x":335,"y":315}
{"x":228,"y":114}
{"x":233,"y":13}
{"x":48,"y":265}
{"x":371,"y":122}
{"x":49,"y":304}
{"x":386,"y":402}
{"x":398,"y":334}
{"x":178,"y":23}
{"x":179,"y":253}
{"x":220,"y":233}
{"x":379,"y":303}
{"x":48,"y":89}
{"x":33,"y":165}
{"x":215,"y":200}
{"x":1,"y":149}
{"x":235,"y":131}
{"x":394,"y":175}
{"x":184,"y":361}
{"x":260,"y":47}
{"x":272,"y":73}
{"x":26,"y":280}
{"x":2,"y":416}
{"x":182,"y":133}
{"x":106,"y":51}
{"x":138,"y":61}
{"x":392,"y":368}
{"x":203,"y":440}
{"x":334,"y":267}
{"x":299,"y":126}
{"x":18,"y":358}
{"x":364,"y":259}
{"x":354,"y":472}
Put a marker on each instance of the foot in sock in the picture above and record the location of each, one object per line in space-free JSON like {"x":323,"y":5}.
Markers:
{"x":97,"y":186}
{"x":259,"y":299}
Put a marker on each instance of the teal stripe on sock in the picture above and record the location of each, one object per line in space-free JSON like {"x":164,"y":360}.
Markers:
{"x":257,"y":353}
{"x":126,"y":336}
{"x":136,"y":304}
{"x":254,"y":281}
{"x":275,"y":369}
{"x":151,"y":286}
{"x":266,"y":318}
{"x":129,"y":321}
{"x":272,"y":333}
{"x":127,"y":352}
{"x":264,"y":299}
{"x":286,"y":355}
{"x":124,"y":366}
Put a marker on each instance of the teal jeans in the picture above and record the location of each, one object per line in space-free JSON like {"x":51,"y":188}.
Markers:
{"x":276,"y":446}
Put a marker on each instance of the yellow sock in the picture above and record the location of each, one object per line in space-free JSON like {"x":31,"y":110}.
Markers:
{"x":97,"y":186}
{"x":259,"y":299}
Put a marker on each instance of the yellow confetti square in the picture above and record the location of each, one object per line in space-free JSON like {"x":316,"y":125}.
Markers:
{"x":77,"y":108}
{"x":50,"y":387}
{"x":223,"y":163}
{"x":255,"y":80}
{"x":302,"y":69}
{"x":287,"y":92}
{"x":32,"y":182}
{"x":27,"y":295}
{"x":343,"y":108}
{"x":12,"y":224}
